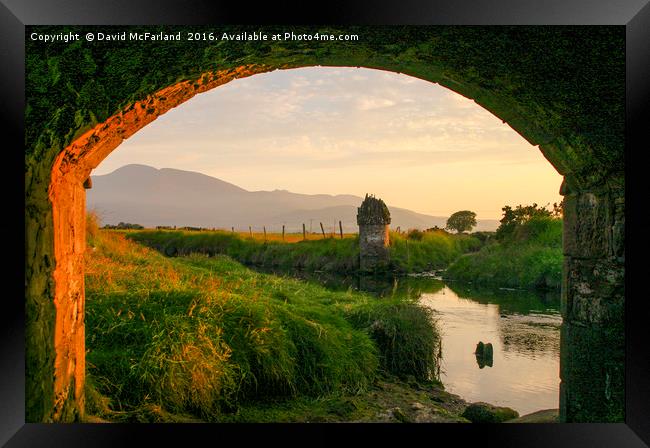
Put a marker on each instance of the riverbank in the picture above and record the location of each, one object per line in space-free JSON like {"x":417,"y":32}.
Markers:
{"x":412,"y":252}
{"x":204,"y":339}
{"x":208,"y":338}
{"x":389,"y":400}
{"x":530,"y":257}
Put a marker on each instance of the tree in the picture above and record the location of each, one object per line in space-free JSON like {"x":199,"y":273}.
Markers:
{"x":558,"y":209}
{"x":461,"y":221}
{"x":514,"y":218}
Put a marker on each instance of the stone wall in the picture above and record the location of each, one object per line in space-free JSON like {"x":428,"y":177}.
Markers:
{"x":373,"y":247}
{"x":55,"y":226}
{"x":592,"y":353}
{"x":373,"y":218}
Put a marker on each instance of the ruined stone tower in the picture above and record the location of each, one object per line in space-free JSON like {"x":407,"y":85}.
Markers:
{"x":373,"y":218}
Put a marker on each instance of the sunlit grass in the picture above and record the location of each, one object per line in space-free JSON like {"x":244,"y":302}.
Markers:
{"x":431,"y":250}
{"x":289,"y":237}
{"x":531,"y":258}
{"x":201,"y":335}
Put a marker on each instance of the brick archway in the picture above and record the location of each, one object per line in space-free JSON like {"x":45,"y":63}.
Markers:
{"x":593,"y":276}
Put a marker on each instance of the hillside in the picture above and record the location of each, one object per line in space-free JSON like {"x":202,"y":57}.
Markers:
{"x":151,"y":197}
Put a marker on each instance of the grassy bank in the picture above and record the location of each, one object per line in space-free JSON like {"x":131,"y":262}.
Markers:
{"x":327,"y":254}
{"x":426,"y":251}
{"x":528,"y":257}
{"x":415,"y":252}
{"x":172,"y":339}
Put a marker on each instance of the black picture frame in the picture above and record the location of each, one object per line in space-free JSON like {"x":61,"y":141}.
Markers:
{"x":633,"y":14}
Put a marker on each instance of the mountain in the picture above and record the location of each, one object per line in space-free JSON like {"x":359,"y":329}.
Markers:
{"x":148,"y":196}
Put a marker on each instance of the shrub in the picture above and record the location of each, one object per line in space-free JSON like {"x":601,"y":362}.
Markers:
{"x":406,"y":336}
{"x":415,"y":234}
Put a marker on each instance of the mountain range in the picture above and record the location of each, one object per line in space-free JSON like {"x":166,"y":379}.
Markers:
{"x":169,"y":197}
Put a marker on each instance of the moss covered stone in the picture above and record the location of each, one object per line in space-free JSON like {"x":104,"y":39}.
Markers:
{"x":373,"y":218}
{"x":487,"y":413}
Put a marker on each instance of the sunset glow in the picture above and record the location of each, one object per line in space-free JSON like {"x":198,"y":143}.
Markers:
{"x":314,"y":130}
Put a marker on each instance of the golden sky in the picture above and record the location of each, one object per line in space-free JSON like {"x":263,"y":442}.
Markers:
{"x":332,"y":130}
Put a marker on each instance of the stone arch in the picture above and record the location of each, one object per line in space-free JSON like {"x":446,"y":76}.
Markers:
{"x":592,"y":290}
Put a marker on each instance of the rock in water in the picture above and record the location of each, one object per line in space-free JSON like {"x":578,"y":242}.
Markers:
{"x":487,"y":413}
{"x":484,"y":354}
{"x":488,"y":354}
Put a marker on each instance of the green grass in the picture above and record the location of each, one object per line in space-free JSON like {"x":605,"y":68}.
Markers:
{"x":530,"y":258}
{"x":428,"y":250}
{"x":415,"y":352}
{"x":328,"y":254}
{"x":202,"y":336}
{"x":431,"y":250}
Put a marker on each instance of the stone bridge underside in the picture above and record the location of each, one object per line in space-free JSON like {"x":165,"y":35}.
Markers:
{"x":561,"y":88}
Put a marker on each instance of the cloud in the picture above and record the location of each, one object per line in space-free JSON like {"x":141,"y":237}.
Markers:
{"x":310,"y":119}
{"x":370,"y":103}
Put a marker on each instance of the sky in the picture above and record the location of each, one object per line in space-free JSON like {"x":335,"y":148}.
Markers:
{"x":332,"y":130}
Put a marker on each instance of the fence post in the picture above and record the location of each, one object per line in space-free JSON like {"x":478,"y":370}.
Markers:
{"x":341,"y":229}
{"x":250,"y":231}
{"x":322,"y":229}
{"x":282,"y":232}
{"x":264,"y":234}
{"x":304,"y":236}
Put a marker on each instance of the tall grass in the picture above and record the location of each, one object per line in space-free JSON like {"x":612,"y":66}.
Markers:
{"x":530,"y":258}
{"x":425,"y":251}
{"x":431,"y":250}
{"x":201,"y":335}
{"x":327,"y":254}
{"x":92,"y":226}
{"x":414,"y":352}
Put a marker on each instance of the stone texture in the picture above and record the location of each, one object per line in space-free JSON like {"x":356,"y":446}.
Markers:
{"x":588,"y":225}
{"x":592,"y":360}
{"x":487,"y":413}
{"x":594,"y":290}
{"x":592,"y":352}
{"x":373,"y":219}
{"x":373,"y":247}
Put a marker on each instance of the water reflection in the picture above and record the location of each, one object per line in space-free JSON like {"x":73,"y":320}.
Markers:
{"x":379,"y":285}
{"x":523,"y":328}
{"x":530,"y":320}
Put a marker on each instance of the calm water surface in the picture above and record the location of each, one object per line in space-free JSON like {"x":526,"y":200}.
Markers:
{"x":522,"y":326}
{"x":524,"y":330}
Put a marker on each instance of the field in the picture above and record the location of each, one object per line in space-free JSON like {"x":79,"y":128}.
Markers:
{"x":413,"y":252}
{"x":291,"y":237}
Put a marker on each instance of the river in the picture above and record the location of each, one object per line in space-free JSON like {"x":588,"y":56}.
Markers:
{"x":524,"y":330}
{"x":522,"y":326}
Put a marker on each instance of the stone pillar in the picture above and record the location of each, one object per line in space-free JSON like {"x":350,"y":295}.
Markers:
{"x":54,"y":310}
{"x":39,"y":297}
{"x":373,"y":218}
{"x":592,"y":353}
